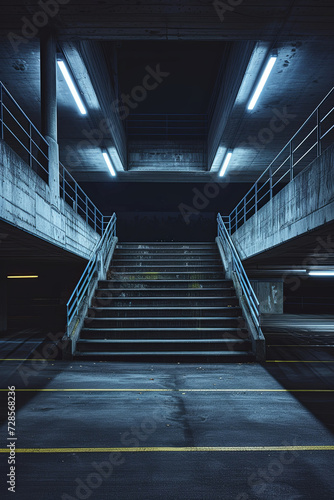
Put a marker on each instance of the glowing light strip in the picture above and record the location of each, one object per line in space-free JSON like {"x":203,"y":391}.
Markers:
{"x":109,"y":165}
{"x":72,"y":87}
{"x":262,"y":82}
{"x":225,"y":164}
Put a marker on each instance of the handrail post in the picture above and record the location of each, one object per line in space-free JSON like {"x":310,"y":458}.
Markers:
{"x":1,"y":111}
{"x":236,"y":217}
{"x":245,"y":209}
{"x":318,"y":132}
{"x":86,"y":209}
{"x":76,"y":197}
{"x":271,"y":182}
{"x":30,"y":146}
{"x":291,"y":161}
{"x":255,"y":199}
{"x":95,"y":218}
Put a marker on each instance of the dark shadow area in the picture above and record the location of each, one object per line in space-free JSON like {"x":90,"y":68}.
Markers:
{"x":304,"y":345}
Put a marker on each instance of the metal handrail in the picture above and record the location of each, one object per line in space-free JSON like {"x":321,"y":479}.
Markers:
{"x":77,"y":199}
{"x":238,"y":268}
{"x":98,"y":258}
{"x":293,"y":156}
{"x":6,"y":115}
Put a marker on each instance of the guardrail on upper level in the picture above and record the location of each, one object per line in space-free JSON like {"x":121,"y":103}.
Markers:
{"x":312,"y":138}
{"x":93,"y":271}
{"x":25,"y":139}
{"x":237,"y":267}
{"x":22,"y":135}
{"x":77,"y":199}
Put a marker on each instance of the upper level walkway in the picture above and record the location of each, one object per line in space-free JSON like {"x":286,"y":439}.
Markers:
{"x":295,"y":194}
{"x":38,"y":195}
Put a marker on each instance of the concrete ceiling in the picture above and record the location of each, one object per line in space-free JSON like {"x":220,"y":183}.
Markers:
{"x":302,"y":31}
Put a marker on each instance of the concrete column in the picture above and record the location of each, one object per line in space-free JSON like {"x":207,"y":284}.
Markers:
{"x":270,"y":295}
{"x":48,"y":63}
{"x":3,"y":299}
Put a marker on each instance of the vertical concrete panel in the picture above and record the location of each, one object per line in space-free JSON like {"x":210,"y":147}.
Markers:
{"x":270,"y":295}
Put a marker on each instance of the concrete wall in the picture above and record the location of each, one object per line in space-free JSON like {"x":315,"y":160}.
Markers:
{"x":304,"y":204}
{"x":270,"y":295}
{"x":25,"y":203}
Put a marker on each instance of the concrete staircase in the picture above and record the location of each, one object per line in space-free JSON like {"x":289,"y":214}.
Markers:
{"x":165,"y":302}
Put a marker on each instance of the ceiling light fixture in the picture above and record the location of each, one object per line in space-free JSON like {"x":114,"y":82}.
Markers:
{"x":71,"y":85}
{"x":321,"y":273}
{"x":22,"y":276}
{"x":109,"y":164}
{"x":264,"y":77}
{"x":226,"y":161}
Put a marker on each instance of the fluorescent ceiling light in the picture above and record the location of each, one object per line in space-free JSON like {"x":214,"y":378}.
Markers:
{"x":109,"y":165}
{"x":321,"y":273}
{"x":262,"y":82}
{"x":72,"y":87}
{"x":22,"y":277}
{"x":225,"y":164}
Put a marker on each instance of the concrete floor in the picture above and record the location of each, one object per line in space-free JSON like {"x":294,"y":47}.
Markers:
{"x":176,"y":431}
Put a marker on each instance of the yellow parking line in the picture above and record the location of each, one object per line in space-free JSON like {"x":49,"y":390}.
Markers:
{"x":297,"y":361}
{"x":172,"y":449}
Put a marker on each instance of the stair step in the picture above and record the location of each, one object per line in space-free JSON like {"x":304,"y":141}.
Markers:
{"x":167,"y":253}
{"x":149,"y":345}
{"x":175,"y":311}
{"x":164,"y":333}
{"x":227,"y":321}
{"x":148,"y":301}
{"x":164,"y":292}
{"x":170,"y":356}
{"x":152,"y":283}
{"x":161,"y":269}
{"x":152,"y":259}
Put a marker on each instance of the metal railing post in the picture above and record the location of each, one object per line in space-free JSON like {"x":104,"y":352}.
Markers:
{"x":318,"y":132}
{"x":76,"y":197}
{"x":245,"y":209}
{"x":255,"y":199}
{"x":30,"y":146}
{"x":95,"y":218}
{"x":291,"y":161}
{"x":271,"y":182}
{"x":86,"y":209}
{"x":1,"y":111}
{"x":236,"y":217}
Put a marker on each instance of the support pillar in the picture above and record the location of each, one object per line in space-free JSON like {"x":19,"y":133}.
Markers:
{"x":3,"y":299}
{"x":270,"y":295}
{"x":48,"y":49}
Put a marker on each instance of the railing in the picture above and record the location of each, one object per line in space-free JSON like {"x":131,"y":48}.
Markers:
{"x":238,"y":268}
{"x":167,"y":126}
{"x":313,"y":137}
{"x":97,"y":261}
{"x":22,"y":135}
{"x":77,"y":199}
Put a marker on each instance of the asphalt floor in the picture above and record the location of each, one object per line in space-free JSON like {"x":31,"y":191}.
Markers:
{"x":150,"y":431}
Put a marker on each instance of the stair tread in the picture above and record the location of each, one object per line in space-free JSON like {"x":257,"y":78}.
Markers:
{"x":167,"y":329}
{"x":168,"y":298}
{"x":163,"y":308}
{"x":168,"y":318}
{"x":166,"y":353}
{"x":168,"y":341}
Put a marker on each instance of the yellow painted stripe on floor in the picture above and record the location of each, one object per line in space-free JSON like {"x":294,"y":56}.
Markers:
{"x":297,"y":361}
{"x":172,"y":448}
{"x":169,"y":390}
{"x":25,"y":359}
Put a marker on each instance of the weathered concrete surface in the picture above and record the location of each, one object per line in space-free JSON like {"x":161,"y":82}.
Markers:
{"x":25,"y":202}
{"x":270,"y":295}
{"x":306,"y":203}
